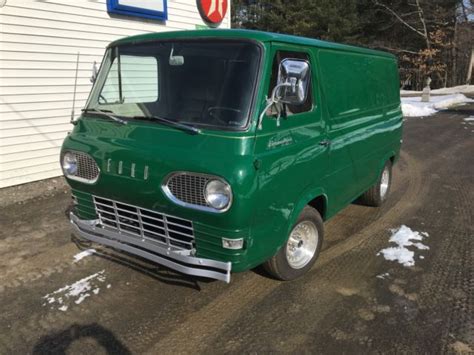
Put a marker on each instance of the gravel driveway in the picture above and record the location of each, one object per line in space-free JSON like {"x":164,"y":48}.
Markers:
{"x":352,"y":301}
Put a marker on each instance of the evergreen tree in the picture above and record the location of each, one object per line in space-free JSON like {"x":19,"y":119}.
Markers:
{"x":430,"y":37}
{"x":325,"y":19}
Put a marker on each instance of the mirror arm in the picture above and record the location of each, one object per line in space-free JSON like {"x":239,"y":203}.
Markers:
{"x":270,"y":102}
{"x":278,"y":87}
{"x":260,"y":118}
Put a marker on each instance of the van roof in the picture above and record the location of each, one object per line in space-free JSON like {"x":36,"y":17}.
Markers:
{"x":251,"y":35}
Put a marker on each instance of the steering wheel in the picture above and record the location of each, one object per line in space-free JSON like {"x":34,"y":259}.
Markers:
{"x":218,"y":118}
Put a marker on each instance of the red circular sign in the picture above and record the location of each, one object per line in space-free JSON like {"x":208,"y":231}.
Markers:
{"x":212,"y":11}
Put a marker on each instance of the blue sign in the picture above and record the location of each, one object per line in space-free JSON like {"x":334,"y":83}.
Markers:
{"x":154,"y":9}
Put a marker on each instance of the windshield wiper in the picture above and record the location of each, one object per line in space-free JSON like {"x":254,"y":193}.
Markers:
{"x":106,"y":113}
{"x":182,"y":126}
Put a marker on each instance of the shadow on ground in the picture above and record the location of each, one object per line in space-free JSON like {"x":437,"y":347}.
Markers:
{"x":60,"y":342}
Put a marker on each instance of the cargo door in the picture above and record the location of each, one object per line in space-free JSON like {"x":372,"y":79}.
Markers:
{"x":342,"y":108}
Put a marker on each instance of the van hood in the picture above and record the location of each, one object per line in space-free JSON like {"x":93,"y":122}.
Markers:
{"x":135,"y":159}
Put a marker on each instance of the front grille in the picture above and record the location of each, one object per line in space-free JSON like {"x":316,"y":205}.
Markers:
{"x":189,"y":188}
{"x":87,"y":168}
{"x":166,"y":230}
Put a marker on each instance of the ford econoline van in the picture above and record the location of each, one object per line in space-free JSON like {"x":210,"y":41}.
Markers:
{"x":216,"y":151}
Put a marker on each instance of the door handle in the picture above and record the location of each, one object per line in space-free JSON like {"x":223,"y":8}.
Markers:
{"x":325,"y":143}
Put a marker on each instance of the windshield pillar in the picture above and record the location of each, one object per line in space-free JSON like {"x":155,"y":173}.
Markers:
{"x":119,"y":74}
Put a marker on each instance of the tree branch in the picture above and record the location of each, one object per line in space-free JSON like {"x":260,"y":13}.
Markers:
{"x":398,"y":50}
{"x":399,"y":18}
{"x":409,"y":13}
{"x":422,"y":19}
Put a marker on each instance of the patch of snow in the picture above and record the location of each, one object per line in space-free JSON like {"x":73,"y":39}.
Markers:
{"x":83,"y":254}
{"x":413,"y":107}
{"x":402,"y":255}
{"x":445,"y":102}
{"x":77,"y":291}
{"x":404,"y":237}
{"x":461,"y":89}
{"x":421,"y":246}
{"x":382,"y":276}
{"x":81,"y":298}
{"x":469,"y":119}
{"x":109,"y":286}
{"x":416,"y":110}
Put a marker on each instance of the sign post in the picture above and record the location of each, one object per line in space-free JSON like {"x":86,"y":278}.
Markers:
{"x":425,"y":97}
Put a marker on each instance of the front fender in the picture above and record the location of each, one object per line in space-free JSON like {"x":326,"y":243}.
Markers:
{"x":306,"y":197}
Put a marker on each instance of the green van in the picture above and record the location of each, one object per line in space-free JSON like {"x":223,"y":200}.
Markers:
{"x":215,"y":151}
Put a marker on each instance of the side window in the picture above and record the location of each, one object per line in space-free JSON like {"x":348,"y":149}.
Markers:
{"x":139,"y":77}
{"x":291,"y":109}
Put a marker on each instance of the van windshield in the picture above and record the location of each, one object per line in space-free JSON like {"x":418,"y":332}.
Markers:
{"x":199,"y":83}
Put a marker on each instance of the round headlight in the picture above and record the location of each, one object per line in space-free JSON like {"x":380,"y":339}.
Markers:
{"x":218,"y":194}
{"x":69,"y":164}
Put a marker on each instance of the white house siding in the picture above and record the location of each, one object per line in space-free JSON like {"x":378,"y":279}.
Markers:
{"x":39,"y":41}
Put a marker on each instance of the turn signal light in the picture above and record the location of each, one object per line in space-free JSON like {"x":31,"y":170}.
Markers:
{"x":233,"y":243}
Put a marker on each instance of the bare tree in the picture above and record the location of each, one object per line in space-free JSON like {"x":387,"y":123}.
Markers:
{"x":471,"y":65}
{"x":436,"y":24}
{"x":402,"y":18}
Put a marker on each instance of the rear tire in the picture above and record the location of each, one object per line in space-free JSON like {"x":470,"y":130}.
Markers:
{"x":302,"y":248}
{"x":377,"y":194}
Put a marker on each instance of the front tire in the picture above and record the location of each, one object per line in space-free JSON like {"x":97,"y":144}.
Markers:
{"x":377,"y":194}
{"x":302,"y":248}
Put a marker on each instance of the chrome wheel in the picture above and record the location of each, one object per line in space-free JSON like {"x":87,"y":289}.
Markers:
{"x":302,"y":244}
{"x":384,"y":182}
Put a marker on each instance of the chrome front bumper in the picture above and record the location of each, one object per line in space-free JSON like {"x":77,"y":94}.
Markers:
{"x":179,"y":260}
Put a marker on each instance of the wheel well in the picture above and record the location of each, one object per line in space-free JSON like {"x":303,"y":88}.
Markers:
{"x":319,"y":203}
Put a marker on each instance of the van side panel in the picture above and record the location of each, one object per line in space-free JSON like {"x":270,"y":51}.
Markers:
{"x":364,"y":118}
{"x":357,"y":108}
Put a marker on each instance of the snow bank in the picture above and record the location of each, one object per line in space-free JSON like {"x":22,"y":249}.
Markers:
{"x":403,"y":238}
{"x":445,"y":102}
{"x":83,"y":254}
{"x":416,"y":109}
{"x":462,"y":89}
{"x":413,"y":107}
{"x":77,"y":292}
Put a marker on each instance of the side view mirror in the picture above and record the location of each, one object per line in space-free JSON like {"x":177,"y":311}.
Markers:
{"x":292,"y":86}
{"x":293,"y":81}
{"x":95,"y":71}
